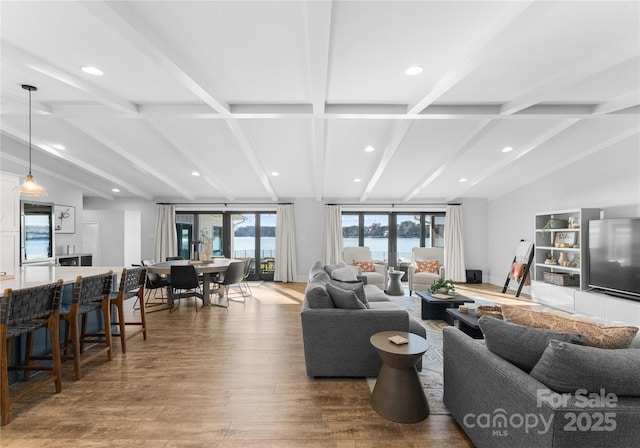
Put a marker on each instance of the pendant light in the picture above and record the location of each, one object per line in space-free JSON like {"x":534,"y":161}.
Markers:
{"x":29,"y":187}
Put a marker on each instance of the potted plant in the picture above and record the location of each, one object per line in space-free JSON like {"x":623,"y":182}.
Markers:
{"x":442,"y":285}
{"x":548,"y":259}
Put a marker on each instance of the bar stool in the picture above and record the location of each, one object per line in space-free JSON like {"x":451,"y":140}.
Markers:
{"x":22,"y":312}
{"x":90,"y":293}
{"x":132,"y":284}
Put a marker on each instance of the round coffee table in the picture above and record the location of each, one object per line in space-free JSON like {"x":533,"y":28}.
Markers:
{"x":398,"y":395}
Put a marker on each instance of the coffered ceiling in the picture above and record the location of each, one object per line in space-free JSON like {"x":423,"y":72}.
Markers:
{"x":237,"y":90}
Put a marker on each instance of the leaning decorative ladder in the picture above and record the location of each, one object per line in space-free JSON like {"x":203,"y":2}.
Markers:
{"x":524,"y":255}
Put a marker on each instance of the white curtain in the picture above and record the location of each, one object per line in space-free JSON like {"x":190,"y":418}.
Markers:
{"x":166,"y":241}
{"x":333,"y":234}
{"x":285,"y":245}
{"x":454,"y":266}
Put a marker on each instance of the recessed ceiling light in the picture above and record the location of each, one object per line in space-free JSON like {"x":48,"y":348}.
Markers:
{"x":92,"y":70}
{"x":115,"y":190}
{"x":275,"y":173}
{"x":414,"y":70}
{"x":357,"y":179}
{"x":507,"y":149}
{"x":195,"y":173}
{"x":463,"y":180}
{"x":58,"y":146}
{"x":369,"y":149}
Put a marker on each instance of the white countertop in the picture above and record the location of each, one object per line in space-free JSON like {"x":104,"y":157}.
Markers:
{"x":28,"y":276}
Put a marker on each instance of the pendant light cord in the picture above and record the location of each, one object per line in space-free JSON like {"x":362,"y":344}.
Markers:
{"x":29,"y":132}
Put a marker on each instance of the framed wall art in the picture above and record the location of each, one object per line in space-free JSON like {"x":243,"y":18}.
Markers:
{"x":64,"y":220}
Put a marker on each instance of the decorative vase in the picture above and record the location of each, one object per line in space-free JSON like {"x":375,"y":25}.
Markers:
{"x":206,"y":253}
{"x":563,"y":259}
{"x":444,"y":290}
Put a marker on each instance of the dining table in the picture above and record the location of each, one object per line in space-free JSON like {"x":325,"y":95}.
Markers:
{"x":208,"y":268}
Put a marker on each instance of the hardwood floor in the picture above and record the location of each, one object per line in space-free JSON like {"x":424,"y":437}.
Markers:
{"x":219,"y":379}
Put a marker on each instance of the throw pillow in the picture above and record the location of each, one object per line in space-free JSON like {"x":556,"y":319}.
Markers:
{"x":566,"y":368}
{"x":318,"y":297}
{"x":595,"y":334}
{"x":356,"y":287}
{"x":332,"y":267}
{"x":345,"y":274}
{"x":344,"y":299}
{"x":432,"y":266}
{"x":365,"y":266}
{"x":522,"y":346}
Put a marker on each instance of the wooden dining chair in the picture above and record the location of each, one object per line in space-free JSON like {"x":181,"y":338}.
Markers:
{"x":90,"y":294}
{"x":132,"y":284}
{"x":22,"y":312}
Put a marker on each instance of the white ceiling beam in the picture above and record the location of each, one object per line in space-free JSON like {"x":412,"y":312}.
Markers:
{"x":398,"y":134}
{"x":619,"y":103}
{"x":556,"y":166}
{"x":19,"y":56}
{"x":509,"y":159}
{"x":124,"y":20}
{"x":572,"y":74}
{"x":206,"y":174}
{"x":247,"y":147}
{"x":40,"y":169}
{"x":94,"y":171}
{"x":450,"y":156}
{"x":126,"y":154}
{"x":318,"y":157}
{"x":319,"y":40}
{"x":20,"y":103}
{"x":472,"y":56}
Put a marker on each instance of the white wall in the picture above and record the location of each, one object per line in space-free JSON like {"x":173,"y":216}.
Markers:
{"x":609,"y":180}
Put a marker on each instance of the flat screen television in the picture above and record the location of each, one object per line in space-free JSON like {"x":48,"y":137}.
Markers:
{"x":614,"y":256}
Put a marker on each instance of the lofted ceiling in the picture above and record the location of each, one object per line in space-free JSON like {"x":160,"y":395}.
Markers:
{"x":237,"y":90}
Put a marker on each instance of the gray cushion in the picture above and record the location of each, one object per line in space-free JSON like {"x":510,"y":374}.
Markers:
{"x":320,"y":277}
{"x":522,"y":346}
{"x":567,"y":367}
{"x":318,"y":297}
{"x":331,"y":267}
{"x":356,"y":287}
{"x":345,"y":274}
{"x":344,"y":299}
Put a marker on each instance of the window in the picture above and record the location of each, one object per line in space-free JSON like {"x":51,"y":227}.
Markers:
{"x":392,"y":236}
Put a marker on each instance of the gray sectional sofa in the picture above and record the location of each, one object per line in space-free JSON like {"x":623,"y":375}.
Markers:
{"x":500,"y":405}
{"x":336,"y":340}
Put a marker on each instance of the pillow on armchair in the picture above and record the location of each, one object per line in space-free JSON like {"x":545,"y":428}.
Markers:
{"x":364,"y":265}
{"x":431,"y":266}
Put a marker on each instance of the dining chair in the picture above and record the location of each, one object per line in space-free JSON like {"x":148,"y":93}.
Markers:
{"x":247,"y":271}
{"x":154,"y":283}
{"x":234,"y":275}
{"x":132,"y":284}
{"x":91,"y":293}
{"x":184,"y":283}
{"x":175,"y":258}
{"x":22,"y":312}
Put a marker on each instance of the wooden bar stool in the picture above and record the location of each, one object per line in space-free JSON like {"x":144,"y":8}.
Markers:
{"x":132,"y":284}
{"x":22,"y":312}
{"x":91,"y":293}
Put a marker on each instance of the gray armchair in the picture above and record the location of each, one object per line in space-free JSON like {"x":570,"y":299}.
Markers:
{"x":421,"y":281}
{"x":359,"y":253}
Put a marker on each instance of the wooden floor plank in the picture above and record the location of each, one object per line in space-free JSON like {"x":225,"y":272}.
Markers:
{"x":217,"y":379}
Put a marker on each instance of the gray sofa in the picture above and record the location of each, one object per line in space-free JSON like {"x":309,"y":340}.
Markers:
{"x":336,"y":340}
{"x":488,"y":395}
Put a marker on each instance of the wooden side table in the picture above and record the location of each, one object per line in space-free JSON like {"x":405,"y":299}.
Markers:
{"x":398,"y":395}
{"x":395,"y":286}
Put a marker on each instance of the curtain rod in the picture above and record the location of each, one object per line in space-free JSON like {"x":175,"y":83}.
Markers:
{"x":226,"y":204}
{"x":386,"y":204}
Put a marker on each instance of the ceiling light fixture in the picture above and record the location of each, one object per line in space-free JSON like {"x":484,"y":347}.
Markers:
{"x":92,"y":70}
{"x":195,"y":173}
{"x":115,"y":190}
{"x":29,"y":187}
{"x":357,"y":179}
{"x":507,"y":149}
{"x":58,"y":146}
{"x":275,"y":173}
{"x":369,"y":149}
{"x":463,"y":180}
{"x":414,"y":70}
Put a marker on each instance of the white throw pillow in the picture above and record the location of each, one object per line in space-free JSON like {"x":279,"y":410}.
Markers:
{"x":345,"y":274}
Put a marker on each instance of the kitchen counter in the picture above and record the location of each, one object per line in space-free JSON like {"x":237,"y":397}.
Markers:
{"x":28,"y":276}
